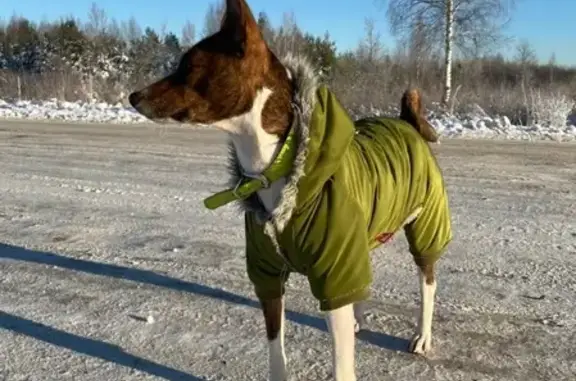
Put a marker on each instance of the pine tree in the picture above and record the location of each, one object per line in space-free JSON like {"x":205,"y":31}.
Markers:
{"x":173,"y":51}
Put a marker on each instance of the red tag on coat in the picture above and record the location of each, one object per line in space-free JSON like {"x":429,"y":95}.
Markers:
{"x":384,"y":237}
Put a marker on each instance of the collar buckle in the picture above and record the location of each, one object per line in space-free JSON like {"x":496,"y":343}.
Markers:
{"x":264,"y":180}
{"x":235,"y":189}
{"x":260,"y":177}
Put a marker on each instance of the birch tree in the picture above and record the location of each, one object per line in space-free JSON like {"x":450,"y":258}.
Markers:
{"x":466,"y":25}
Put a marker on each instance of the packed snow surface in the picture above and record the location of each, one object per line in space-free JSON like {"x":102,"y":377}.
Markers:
{"x":112,"y":269}
{"x":474,"y":124}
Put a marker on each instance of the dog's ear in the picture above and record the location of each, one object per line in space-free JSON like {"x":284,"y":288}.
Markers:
{"x":240,"y":27}
{"x":412,"y":111}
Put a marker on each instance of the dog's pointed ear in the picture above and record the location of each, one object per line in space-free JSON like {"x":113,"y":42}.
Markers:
{"x":240,"y":26}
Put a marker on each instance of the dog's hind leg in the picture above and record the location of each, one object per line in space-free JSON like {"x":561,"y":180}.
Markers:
{"x":428,"y":237}
{"x":341,"y":327}
{"x":422,"y":340}
{"x":274,"y":318}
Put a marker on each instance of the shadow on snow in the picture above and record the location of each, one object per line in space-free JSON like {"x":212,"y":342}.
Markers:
{"x":115,"y":354}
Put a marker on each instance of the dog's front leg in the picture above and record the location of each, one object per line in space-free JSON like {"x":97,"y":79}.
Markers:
{"x":422,"y":341}
{"x":274,"y":318}
{"x":341,"y":327}
{"x":359,"y":308}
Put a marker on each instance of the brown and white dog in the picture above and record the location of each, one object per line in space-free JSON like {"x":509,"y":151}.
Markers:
{"x":233,"y":81}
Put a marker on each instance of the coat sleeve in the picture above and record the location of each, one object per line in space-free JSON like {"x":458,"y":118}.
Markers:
{"x":431,"y":232}
{"x":336,"y":239}
{"x":266,"y":269}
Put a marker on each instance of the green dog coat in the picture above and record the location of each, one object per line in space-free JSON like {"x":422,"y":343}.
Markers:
{"x":350,"y":186}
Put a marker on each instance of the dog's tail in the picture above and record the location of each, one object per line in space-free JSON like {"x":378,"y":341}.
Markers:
{"x":412,"y":111}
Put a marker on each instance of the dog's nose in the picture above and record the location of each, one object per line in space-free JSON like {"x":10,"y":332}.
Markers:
{"x":134,"y":98}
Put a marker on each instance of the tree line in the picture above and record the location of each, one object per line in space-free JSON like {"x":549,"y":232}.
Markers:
{"x":454,"y":64}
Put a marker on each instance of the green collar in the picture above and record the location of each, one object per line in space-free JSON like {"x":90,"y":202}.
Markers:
{"x":280,"y":167}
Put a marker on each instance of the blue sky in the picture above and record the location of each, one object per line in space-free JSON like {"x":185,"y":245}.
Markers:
{"x":549,"y":25}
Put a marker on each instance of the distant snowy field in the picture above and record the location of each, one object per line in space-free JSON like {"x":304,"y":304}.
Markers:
{"x":474,"y":125}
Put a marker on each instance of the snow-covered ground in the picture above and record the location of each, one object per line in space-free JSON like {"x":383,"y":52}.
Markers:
{"x":476,"y":124}
{"x":69,"y":111}
{"x":111,"y":269}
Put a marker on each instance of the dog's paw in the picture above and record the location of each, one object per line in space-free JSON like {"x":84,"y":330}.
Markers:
{"x":357,"y":326}
{"x":278,"y":375}
{"x":359,"y":319}
{"x":421,"y":343}
{"x":359,"y":323}
{"x":277,"y":370}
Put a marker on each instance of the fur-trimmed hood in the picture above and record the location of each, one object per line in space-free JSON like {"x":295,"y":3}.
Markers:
{"x":319,"y":146}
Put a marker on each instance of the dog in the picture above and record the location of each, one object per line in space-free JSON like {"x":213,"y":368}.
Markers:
{"x":319,"y":191}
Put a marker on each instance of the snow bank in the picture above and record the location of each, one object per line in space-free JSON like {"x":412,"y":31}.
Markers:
{"x":474,"y":125}
{"x":69,"y":111}
{"x":500,"y":128}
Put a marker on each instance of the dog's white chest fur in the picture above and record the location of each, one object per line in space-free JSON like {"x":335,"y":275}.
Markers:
{"x":255,"y":148}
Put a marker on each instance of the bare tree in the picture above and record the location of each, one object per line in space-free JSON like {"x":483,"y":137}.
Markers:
{"x":266,"y":27}
{"x":163,"y":31}
{"x":289,"y":37}
{"x":114,"y":29}
{"x":97,"y":21}
{"x":526,"y":58}
{"x":188,"y":35}
{"x":419,"y":49}
{"x":131,"y":31}
{"x":525,"y":54}
{"x":213,"y":18}
{"x":463,"y":24}
{"x":552,"y":63}
{"x":370,"y":48}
